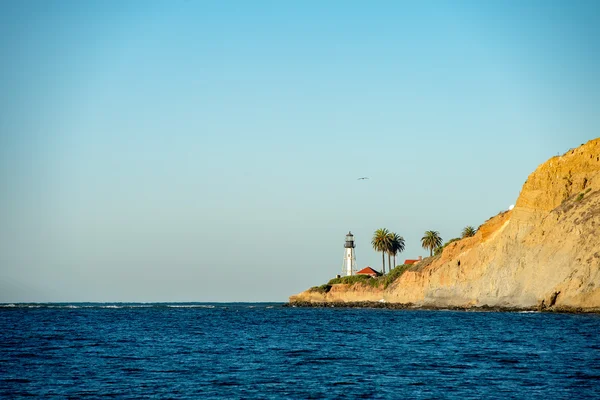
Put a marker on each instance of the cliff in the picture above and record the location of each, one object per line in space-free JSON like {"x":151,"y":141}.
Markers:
{"x":544,"y":253}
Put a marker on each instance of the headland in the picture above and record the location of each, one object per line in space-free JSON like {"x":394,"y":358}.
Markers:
{"x":542,"y":255}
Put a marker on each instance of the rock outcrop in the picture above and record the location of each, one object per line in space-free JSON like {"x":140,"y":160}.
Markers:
{"x":544,"y":253}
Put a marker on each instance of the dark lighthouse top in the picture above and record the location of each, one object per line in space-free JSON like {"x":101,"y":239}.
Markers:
{"x":349,"y":241}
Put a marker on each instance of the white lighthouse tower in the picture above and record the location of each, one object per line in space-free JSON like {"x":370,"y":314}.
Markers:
{"x":349,"y":266}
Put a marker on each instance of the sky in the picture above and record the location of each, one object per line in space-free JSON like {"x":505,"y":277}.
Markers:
{"x":209,"y":150}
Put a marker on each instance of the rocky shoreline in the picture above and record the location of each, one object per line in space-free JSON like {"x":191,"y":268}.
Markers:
{"x":410,"y":306}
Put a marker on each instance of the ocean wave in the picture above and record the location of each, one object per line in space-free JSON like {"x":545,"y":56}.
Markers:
{"x":190,"y":306}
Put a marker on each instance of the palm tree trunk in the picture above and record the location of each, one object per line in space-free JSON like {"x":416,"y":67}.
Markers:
{"x":394,"y":261}
{"x":430,"y":251}
{"x":383,"y":260}
{"x":389,"y":262}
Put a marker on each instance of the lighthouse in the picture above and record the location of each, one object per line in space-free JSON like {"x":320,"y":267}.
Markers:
{"x":349,"y":265}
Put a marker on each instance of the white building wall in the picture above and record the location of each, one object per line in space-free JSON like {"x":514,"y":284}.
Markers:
{"x":349,"y":261}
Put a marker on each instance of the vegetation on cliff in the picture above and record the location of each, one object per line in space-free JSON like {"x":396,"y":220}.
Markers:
{"x":382,"y":281}
{"x":440,"y":249}
{"x":432,"y":240}
{"x":468,"y":231}
{"x":387,"y":242}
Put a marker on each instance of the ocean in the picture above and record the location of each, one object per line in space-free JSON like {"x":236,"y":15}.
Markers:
{"x":268,"y":351}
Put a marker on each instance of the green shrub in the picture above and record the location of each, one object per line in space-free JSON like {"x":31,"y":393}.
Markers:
{"x":321,"y":289}
{"x":375,"y":282}
{"x":350,"y":280}
{"x":579,"y":197}
{"x":588,"y":190}
{"x":394,"y":274}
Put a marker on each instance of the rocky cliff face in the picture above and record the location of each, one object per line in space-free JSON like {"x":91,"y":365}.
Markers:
{"x":544,"y":253}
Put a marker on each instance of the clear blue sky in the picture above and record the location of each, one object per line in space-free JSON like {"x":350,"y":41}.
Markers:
{"x":210,"y":150}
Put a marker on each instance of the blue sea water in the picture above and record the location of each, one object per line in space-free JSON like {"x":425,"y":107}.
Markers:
{"x":269,"y":351}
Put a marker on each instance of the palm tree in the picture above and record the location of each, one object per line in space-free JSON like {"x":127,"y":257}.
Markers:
{"x":380,"y":243}
{"x":468,"y":231}
{"x":432,"y":240}
{"x":397,"y":246}
{"x":388,"y":249}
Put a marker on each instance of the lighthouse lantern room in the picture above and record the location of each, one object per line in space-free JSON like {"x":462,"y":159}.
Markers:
{"x":349,"y":266}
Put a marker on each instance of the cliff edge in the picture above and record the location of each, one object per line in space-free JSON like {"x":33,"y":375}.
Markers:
{"x":544,"y":253}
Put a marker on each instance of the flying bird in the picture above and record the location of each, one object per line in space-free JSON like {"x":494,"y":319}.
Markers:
{"x":364,"y":177}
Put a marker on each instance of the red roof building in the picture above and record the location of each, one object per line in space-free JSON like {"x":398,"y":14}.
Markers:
{"x":410,"y":262}
{"x":368,"y":271}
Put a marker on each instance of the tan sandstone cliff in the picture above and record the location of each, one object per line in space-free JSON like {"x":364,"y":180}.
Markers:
{"x":543,"y":253}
